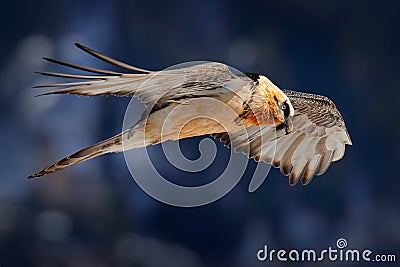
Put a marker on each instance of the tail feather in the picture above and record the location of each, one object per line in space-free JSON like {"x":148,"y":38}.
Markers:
{"x":110,"y":145}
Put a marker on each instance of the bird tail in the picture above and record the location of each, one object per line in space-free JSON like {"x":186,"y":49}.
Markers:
{"x":132,"y":137}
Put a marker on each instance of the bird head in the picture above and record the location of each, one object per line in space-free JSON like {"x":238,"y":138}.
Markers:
{"x":279,"y":104}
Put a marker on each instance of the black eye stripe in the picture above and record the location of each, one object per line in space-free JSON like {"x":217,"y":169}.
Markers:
{"x":286,"y":110}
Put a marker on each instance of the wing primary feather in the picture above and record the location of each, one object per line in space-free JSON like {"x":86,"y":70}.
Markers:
{"x":110,"y":60}
{"x":100,"y":89}
{"x":65,"y":84}
{"x":325,"y":162}
{"x":283,"y":146}
{"x":74,"y":76}
{"x":297,"y":171}
{"x":79,"y":67}
{"x":312,"y":169}
{"x":286,"y":162}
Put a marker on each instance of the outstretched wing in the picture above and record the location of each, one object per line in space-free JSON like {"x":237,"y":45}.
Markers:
{"x":318,"y":138}
{"x":151,"y":87}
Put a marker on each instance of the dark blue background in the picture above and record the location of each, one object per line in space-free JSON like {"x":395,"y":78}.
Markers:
{"x":95,"y":215}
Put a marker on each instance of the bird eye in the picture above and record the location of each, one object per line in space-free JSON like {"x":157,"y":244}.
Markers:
{"x":285,"y":109}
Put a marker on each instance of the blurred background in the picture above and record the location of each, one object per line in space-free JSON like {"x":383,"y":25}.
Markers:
{"x":94,"y":214}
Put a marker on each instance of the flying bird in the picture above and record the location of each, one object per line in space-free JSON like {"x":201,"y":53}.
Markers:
{"x":299,"y":133}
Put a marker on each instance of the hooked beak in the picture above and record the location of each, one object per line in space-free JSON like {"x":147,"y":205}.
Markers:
{"x":288,"y":124}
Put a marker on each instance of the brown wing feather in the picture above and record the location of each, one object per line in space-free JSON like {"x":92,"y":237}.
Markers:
{"x":111,"y":60}
{"x":318,"y":138}
{"x":109,"y":83}
{"x":203,"y":79}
